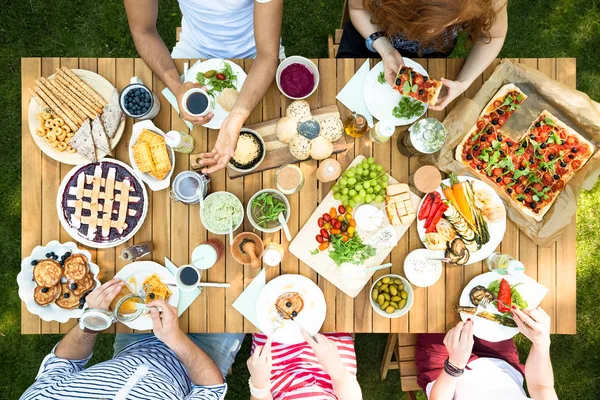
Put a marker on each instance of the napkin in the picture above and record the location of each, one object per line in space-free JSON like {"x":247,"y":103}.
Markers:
{"x":246,"y":302}
{"x":186,"y":298}
{"x":352,"y":96}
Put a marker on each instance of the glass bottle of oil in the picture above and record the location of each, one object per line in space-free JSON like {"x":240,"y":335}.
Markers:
{"x":356,"y":125}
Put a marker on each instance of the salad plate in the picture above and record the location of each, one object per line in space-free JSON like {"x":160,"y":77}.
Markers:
{"x":217,"y":65}
{"x":381,"y":98}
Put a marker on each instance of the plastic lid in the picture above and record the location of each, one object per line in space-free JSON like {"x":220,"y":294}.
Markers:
{"x":515,"y":268}
{"x":173,"y":138}
{"x":386,"y":128}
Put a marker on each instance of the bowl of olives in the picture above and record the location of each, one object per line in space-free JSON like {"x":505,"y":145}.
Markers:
{"x":391,"y":296}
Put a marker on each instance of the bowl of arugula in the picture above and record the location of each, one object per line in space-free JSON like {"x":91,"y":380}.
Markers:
{"x":263,"y":210}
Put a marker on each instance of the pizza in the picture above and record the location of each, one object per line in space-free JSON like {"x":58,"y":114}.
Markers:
{"x":418,"y":86}
{"x":533,"y":171}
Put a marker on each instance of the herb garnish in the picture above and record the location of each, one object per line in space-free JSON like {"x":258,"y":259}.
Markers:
{"x":408,"y":107}
{"x":381,"y":78}
{"x":354,"y":251}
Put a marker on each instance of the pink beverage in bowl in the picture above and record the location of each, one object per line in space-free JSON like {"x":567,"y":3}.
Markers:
{"x":207,"y":254}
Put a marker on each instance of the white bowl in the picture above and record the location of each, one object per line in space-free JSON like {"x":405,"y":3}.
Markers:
{"x":203,"y":208}
{"x":297,"y":60}
{"x":264,"y":146}
{"x":397,"y":313}
{"x":251,"y":218}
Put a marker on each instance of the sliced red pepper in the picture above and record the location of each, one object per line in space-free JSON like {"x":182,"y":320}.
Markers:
{"x":437,"y":203}
{"x":505,"y":296}
{"x":424,"y":211}
{"x":436,"y":218}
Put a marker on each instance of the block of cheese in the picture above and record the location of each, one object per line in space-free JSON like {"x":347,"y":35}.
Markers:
{"x":399,"y":207}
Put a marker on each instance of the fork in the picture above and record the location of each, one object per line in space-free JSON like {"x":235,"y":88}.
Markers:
{"x":281,"y":315}
{"x":483,"y":304}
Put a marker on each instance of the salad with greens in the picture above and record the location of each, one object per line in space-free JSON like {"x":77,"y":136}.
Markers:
{"x":266,"y":208}
{"x":516,"y":297}
{"x":217,"y":80}
{"x":408,"y":108}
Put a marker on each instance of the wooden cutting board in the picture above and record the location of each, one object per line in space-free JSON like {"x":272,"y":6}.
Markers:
{"x":305,"y":242}
{"x":277,"y":152}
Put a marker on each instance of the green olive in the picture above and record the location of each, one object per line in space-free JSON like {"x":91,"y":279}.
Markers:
{"x":393,"y":290}
{"x":396,"y":298}
{"x":378,"y":284}
{"x":380,"y":299}
{"x":398,"y":281}
{"x":390,"y":309}
{"x":403,"y":294}
{"x":402,"y":303}
{"x":386,"y":279}
{"x":385,"y":305}
{"x":383,"y":287}
{"x":394,"y":304}
{"x":374,"y":294}
{"x":209,"y":74}
{"x":387,"y":296}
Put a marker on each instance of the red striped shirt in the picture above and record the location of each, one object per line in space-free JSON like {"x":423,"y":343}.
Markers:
{"x":297,"y":374}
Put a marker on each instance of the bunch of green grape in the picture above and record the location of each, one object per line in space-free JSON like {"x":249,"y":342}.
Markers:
{"x":364,"y":183}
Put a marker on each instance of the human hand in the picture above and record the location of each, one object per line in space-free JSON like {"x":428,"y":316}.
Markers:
{"x":534,"y":324}
{"x":165,"y":324}
{"x":392,"y":61}
{"x":459,"y":343}
{"x":260,"y":364}
{"x":326,"y":352}
{"x":103,"y":295}
{"x":179,"y":92}
{"x":450,"y":91}
{"x":225,"y":145}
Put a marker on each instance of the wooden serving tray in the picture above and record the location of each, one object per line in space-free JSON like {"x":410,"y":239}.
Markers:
{"x":305,"y":242}
{"x":277,"y":152}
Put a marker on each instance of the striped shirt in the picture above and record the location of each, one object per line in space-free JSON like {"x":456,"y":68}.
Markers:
{"x":297,"y":374}
{"x":146,"y":369}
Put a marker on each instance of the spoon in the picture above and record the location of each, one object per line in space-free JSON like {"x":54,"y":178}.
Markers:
{"x":286,"y":230}
{"x":378,"y":267}
{"x":230,"y":230}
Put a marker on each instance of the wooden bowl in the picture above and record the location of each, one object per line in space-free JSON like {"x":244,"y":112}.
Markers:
{"x":236,"y":251}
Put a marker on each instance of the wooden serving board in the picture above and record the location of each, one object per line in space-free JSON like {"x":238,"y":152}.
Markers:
{"x":305,"y":242}
{"x":277,"y":152}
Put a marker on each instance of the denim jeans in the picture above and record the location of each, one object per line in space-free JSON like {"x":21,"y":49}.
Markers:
{"x":221,"y":347}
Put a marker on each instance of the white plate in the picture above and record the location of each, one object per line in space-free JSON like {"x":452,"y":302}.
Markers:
{"x":421,"y":279}
{"x":135,"y":274}
{"x":153,"y":183}
{"x":530,"y":290}
{"x":496,"y":228}
{"x":216,"y":63}
{"x":51,"y":312}
{"x":310,"y":318}
{"x":382,"y":98}
{"x":74,"y":233}
{"x":103,"y":87}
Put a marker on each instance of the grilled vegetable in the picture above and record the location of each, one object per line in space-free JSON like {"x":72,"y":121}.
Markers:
{"x":457,"y":252}
{"x":501,"y":319}
{"x":436,"y":217}
{"x":505,"y":296}
{"x":462,"y":228}
{"x":478,"y":293}
{"x":437,"y":203}
{"x":481,"y":225}
{"x":444,"y":228}
{"x":461,"y":201}
{"x":426,"y":207}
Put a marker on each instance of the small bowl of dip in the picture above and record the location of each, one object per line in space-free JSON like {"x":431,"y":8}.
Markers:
{"x":219,"y":211}
{"x":289,"y":179}
{"x":297,"y":77}
{"x":249,"y":152}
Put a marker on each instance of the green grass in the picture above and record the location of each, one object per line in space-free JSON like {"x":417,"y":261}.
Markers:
{"x":77,"y":28}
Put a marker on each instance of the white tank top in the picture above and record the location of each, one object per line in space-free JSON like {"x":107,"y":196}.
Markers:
{"x":218,"y":28}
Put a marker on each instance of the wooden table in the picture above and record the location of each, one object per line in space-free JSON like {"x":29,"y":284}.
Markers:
{"x":175,"y":228}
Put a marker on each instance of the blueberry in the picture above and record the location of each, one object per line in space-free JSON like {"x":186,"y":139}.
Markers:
{"x":80,"y":306}
{"x":66,"y":295}
{"x":61,"y":263}
{"x":44,"y":290}
{"x":288,"y":304}
{"x":152,"y":296}
{"x":55,"y":256}
{"x":67,"y":254}
{"x":73,"y":286}
{"x":147,"y":104}
{"x":34,"y":262}
{"x":48,"y":255}
{"x":147,"y":96}
{"x":82,"y":300}
{"x":294,"y":313}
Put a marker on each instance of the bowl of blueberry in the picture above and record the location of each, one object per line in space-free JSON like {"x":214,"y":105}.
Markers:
{"x":137,"y":101}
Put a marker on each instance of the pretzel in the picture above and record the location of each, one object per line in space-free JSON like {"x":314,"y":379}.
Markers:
{"x":61,"y":92}
{"x":99,"y":100}
{"x":41,"y":89}
{"x":41,"y":101}
{"x":77,"y":92}
{"x":41,"y":131}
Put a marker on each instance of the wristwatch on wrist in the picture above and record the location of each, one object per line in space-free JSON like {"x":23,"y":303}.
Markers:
{"x":257,"y":393}
{"x":452,"y":369}
{"x":372,"y":38}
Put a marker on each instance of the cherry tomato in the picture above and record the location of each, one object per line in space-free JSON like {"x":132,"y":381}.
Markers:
{"x":325,"y":234}
{"x":351,"y":230}
{"x":502,"y":120}
{"x":348,"y":216}
{"x":344,"y":227}
{"x":348,"y":209}
{"x":321,"y":222}
{"x":340,"y":218}
{"x":327,"y":226}
{"x":353,"y":223}
{"x":345,"y":238}
{"x":327,"y":217}
{"x":220,"y":76}
{"x":497,"y":172}
{"x":335,"y":231}
{"x":338,"y":224}
{"x":323,"y":246}
{"x":351,"y":235}
{"x":342,"y":209}
{"x":480,"y":124}
{"x":333,"y":212}
{"x":319,"y":238}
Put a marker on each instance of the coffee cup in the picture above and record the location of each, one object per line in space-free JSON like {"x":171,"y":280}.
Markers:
{"x":187,"y":277}
{"x":196,"y":102}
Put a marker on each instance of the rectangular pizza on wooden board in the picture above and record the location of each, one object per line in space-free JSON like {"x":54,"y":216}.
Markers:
{"x":533,"y":171}
{"x":305,"y":242}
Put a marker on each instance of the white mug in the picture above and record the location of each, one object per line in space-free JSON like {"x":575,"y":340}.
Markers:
{"x":187,"y":94}
{"x":183,"y":286}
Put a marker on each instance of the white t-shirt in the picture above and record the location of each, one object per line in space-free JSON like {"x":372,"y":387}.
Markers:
{"x":217,"y":29}
{"x":490,"y":379}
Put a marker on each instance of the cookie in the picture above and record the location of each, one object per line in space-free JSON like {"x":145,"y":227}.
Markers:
{"x":44,"y":296}
{"x":47,"y":273}
{"x":67,"y":300}
{"x":76,"y":267}
{"x":85,"y":285}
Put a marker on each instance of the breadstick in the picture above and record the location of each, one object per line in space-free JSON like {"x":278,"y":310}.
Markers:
{"x":78,"y":81}
{"x":50,"y":96}
{"x":61,"y":92}
{"x":78,"y":93}
{"x":56,"y":110}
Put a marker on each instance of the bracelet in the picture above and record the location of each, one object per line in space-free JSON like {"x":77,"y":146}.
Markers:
{"x":257,"y":393}
{"x":452,"y":369}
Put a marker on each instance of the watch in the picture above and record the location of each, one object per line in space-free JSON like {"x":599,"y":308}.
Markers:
{"x":372,"y":38}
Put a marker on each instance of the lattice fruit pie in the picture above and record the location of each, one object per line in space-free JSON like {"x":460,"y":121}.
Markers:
{"x":103,"y":204}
